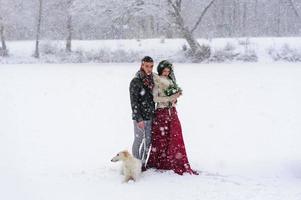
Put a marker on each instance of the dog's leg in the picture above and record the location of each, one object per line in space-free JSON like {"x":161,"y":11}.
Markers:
{"x":128,"y":178}
{"x":134,"y":178}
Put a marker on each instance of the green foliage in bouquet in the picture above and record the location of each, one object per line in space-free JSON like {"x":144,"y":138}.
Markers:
{"x":172,"y":89}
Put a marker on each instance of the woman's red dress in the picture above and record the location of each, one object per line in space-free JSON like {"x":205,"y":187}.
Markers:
{"x":168,"y":149}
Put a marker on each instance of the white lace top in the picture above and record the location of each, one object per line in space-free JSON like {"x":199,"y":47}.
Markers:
{"x":160,"y":98}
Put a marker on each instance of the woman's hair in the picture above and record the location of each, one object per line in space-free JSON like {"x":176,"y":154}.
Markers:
{"x":166,"y":64}
{"x":162,"y":65}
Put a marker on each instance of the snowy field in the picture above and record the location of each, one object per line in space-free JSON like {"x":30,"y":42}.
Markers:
{"x":265,"y":50}
{"x":61,"y":124}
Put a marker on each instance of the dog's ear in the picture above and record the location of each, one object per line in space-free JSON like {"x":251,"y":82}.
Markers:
{"x":126,"y":154}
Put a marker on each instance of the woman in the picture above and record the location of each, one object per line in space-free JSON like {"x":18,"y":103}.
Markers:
{"x":168,"y":149}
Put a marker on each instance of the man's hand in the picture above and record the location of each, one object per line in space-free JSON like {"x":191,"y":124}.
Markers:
{"x":141,"y":124}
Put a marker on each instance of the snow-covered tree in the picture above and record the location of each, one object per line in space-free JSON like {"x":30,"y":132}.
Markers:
{"x":117,"y":19}
{"x":175,"y":10}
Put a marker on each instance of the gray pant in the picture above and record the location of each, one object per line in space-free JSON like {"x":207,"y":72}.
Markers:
{"x":139,"y":136}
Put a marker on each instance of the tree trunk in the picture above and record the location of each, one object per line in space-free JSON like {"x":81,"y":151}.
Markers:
{"x":2,"y":38}
{"x":278,"y":18}
{"x":223,"y":19}
{"x":152,"y":26}
{"x":199,"y":52}
{"x":256,"y":18}
{"x":69,"y":27}
{"x":69,"y":38}
{"x":234,"y":19}
{"x":244,"y":21}
{"x":193,"y":43}
{"x":2,"y":35}
{"x":37,"y":52}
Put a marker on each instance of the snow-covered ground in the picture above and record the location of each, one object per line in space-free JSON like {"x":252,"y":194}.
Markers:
{"x":266,"y":50}
{"x":61,"y":124}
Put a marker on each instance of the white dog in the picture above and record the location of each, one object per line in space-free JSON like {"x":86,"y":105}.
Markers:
{"x":131,"y":167}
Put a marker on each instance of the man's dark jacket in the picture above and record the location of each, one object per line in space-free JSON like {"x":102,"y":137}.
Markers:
{"x":143,"y":105}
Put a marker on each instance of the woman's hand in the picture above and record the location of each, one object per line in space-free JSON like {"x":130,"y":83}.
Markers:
{"x":174,"y":102}
{"x":178,"y":94}
{"x":175,"y":97}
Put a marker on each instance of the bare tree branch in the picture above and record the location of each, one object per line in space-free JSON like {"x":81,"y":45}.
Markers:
{"x":294,"y":8}
{"x":202,"y":15}
{"x":177,"y":13}
{"x":172,"y":4}
{"x":179,"y":4}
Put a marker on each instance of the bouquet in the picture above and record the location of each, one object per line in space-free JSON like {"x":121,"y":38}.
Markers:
{"x":172,"y":89}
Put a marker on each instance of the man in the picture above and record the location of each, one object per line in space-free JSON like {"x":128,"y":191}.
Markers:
{"x":143,"y":108}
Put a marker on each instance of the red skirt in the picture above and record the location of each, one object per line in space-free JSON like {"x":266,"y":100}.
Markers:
{"x":168,"y":149}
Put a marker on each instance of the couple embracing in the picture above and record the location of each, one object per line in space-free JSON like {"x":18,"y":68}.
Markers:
{"x":158,"y":140}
